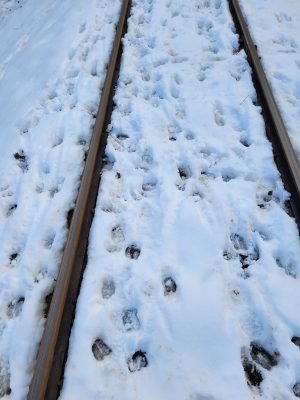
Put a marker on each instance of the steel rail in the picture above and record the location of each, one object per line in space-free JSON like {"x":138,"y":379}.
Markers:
{"x":285,"y":155}
{"x":46,"y":381}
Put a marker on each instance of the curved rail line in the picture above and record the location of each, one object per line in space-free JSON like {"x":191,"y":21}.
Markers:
{"x":53,"y":348}
{"x":47,"y":379}
{"x":284,"y":153}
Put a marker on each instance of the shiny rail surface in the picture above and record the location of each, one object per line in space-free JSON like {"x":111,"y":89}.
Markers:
{"x":48,"y":373}
{"x":284,"y":153}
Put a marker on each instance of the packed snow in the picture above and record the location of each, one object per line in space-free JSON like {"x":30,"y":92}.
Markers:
{"x":275,"y":27}
{"x":192,"y":285}
{"x":53,"y":57}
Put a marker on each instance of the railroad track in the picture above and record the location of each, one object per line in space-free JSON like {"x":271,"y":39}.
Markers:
{"x":49,"y":369}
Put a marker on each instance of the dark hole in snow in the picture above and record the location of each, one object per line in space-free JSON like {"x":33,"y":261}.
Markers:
{"x":20,"y":156}
{"x":48,"y":299}
{"x":13,"y":256}
{"x":133,"y":252}
{"x":184,"y":173}
{"x":100,"y":349}
{"x":296,"y":340}
{"x":118,"y":175}
{"x":108,"y":288}
{"x":253,"y":375}
{"x":296,"y":389}
{"x":130,"y":319}
{"x":245,"y":143}
{"x":14,"y":308}
{"x":137,"y":361}
{"x":11,"y":209}
{"x":169,"y":286}
{"x":263,"y":357}
{"x":122,"y":136}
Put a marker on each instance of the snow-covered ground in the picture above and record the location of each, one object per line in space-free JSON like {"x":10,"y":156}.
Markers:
{"x":275,"y":26}
{"x":53,"y":56}
{"x":193,"y":263}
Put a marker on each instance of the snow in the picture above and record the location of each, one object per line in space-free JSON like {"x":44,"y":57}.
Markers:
{"x":274,"y":25}
{"x":53,"y":56}
{"x":193,"y":261}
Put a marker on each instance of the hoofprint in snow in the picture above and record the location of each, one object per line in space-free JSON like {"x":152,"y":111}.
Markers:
{"x":275,"y":27}
{"x":192,"y":285}
{"x":52,"y":65}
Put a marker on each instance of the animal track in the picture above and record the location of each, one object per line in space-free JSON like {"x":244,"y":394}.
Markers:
{"x":130,"y":319}
{"x":149,"y":184}
{"x":296,"y":389}
{"x":11,"y":209}
{"x":184,"y":172}
{"x":296,"y":341}
{"x":253,"y":375}
{"x":133,"y":252}
{"x":4,"y":381}
{"x":169,"y":285}
{"x":247,"y":252}
{"x":262,"y":357}
{"x":49,"y":240}
{"x":15,"y":307}
{"x":22,"y":159}
{"x":218,"y":117}
{"x":108,"y":288}
{"x":137,"y":361}
{"x":100,"y":349}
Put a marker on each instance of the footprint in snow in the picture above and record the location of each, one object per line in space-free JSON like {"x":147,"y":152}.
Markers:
{"x":253,"y":375}
{"x":15,"y":307}
{"x":116,"y":238}
{"x":184,"y":172}
{"x":13,"y":258}
{"x":130,"y":319}
{"x":11,"y":209}
{"x":5,"y":389}
{"x":133,"y":252}
{"x":218,"y":117}
{"x":137,"y":361}
{"x":22,"y":160}
{"x":108,"y":288}
{"x":296,"y":389}
{"x":169,"y":286}
{"x":296,"y":341}
{"x":262,"y":357}
{"x":100,"y":349}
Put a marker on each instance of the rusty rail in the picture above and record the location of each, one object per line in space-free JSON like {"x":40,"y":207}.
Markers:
{"x":48,"y":373}
{"x":284,"y":153}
